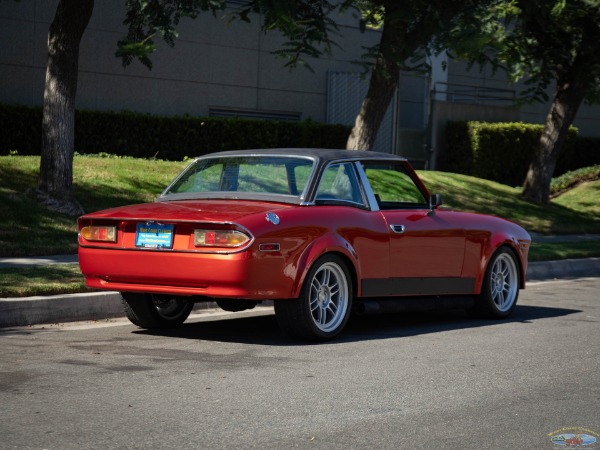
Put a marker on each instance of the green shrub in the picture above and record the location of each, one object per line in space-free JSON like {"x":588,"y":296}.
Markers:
{"x":573,"y":178}
{"x":171,"y":138}
{"x":501,"y":152}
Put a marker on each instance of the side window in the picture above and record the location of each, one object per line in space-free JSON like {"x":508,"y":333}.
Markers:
{"x":339,"y":182}
{"x":393,"y":187}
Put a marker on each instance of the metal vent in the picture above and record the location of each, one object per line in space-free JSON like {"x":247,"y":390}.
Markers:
{"x":254,"y":114}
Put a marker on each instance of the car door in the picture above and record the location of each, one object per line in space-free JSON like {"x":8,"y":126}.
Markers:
{"x":426,"y":247}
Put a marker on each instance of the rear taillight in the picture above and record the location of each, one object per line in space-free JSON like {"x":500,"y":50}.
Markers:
{"x":99,"y":233}
{"x":220,"y":238}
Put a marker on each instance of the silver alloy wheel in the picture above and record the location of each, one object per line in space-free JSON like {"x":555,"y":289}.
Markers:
{"x":329,"y":295}
{"x":504,"y":282}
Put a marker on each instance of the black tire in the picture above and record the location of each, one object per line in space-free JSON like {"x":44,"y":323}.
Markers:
{"x":325,"y":302}
{"x":156,"y":311}
{"x":500,"y":289}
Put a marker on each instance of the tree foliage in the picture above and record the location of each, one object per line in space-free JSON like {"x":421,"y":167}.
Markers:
{"x":307,"y":25}
{"x":148,"y":19}
{"x":412,"y":30}
{"x":555,"y":46}
{"x":552,"y":42}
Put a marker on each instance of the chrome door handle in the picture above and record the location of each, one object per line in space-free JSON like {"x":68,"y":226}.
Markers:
{"x":398,"y":228}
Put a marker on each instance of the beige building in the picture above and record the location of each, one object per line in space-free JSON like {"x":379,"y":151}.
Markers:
{"x":222,"y":69}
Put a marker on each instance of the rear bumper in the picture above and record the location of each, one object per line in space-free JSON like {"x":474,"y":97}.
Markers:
{"x":237,"y":275}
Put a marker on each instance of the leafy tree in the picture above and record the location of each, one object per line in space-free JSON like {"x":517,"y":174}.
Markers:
{"x":305,"y":23}
{"x":554,"y":45}
{"x":555,"y":42}
{"x":56,"y":166}
{"x":411,"y":30}
{"x":409,"y":27}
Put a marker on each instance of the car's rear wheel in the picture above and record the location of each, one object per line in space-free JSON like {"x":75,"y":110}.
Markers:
{"x":324,"y":305}
{"x":500,"y":289}
{"x":156,"y":311}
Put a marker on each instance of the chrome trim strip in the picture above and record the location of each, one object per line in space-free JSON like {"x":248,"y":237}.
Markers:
{"x":373,"y":205}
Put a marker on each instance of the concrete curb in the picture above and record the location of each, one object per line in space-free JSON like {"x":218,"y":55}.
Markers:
{"x":59,"y":308}
{"x":103,"y":305}
{"x":23,"y":311}
{"x":566,"y":268}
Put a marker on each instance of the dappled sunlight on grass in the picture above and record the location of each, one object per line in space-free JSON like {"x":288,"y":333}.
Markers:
{"x":572,"y":214}
{"x":99,"y":183}
{"x":41,"y":280}
{"x":105,"y":182}
{"x":585,"y":195}
{"x":543,"y":251}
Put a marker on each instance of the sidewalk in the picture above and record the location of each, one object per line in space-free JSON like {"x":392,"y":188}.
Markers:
{"x":103,"y":305}
{"x":6,"y":263}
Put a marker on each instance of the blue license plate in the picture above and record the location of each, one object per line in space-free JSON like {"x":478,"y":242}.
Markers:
{"x":154,"y":235}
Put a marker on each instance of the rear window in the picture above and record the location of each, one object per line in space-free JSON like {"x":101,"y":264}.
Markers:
{"x":248,"y":174}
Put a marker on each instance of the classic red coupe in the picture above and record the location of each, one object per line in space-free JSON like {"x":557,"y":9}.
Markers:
{"x":319,"y":232}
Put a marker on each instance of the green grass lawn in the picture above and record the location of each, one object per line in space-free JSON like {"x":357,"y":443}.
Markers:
{"x":41,"y":280}
{"x":27,"y":229}
{"x":575,"y":212}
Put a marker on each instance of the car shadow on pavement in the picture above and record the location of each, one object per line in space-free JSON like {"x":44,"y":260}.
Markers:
{"x":263,"y":329}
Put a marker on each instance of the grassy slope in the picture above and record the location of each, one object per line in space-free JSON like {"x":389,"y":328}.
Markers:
{"x":27,"y":229}
{"x":576,"y":211}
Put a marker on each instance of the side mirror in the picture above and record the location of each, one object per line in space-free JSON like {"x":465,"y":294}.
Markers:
{"x":435,"y":200}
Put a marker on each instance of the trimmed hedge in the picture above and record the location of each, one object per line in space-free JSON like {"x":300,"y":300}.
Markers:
{"x":170,"y":138}
{"x":502,"y":151}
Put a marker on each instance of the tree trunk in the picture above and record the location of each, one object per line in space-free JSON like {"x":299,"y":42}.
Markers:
{"x":58,"y":126}
{"x":373,"y":108}
{"x":563,"y":110}
{"x":384,"y":80}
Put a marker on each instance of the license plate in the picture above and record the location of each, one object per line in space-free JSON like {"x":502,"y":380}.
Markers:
{"x":154,"y":235}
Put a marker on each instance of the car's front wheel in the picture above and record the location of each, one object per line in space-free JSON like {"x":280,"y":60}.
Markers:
{"x":500,"y":289}
{"x":324,"y":305}
{"x":156,"y":311}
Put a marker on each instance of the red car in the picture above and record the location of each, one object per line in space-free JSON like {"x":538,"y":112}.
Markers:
{"x":319,"y":232}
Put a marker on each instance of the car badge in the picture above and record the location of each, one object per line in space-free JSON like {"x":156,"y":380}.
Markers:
{"x":273,"y":218}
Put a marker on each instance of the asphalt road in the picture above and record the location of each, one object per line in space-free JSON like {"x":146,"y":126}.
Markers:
{"x":413,"y":381}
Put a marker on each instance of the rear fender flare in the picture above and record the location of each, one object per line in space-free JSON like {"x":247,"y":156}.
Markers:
{"x":328,"y":243}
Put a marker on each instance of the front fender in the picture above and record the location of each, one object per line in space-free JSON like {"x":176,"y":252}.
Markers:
{"x":328,"y":243}
{"x":518,"y":244}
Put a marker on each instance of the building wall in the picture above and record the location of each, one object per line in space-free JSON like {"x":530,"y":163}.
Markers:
{"x":216,"y":65}
{"x":587,"y":120}
{"x":213,"y":65}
